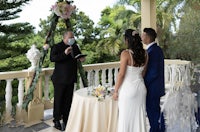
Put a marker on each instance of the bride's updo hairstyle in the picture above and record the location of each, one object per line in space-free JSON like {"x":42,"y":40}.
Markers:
{"x":135,"y":45}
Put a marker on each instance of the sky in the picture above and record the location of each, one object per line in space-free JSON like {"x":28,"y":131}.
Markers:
{"x":40,"y":9}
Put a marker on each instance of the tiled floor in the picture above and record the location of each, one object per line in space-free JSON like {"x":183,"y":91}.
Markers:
{"x":51,"y":128}
{"x":43,"y":126}
{"x":46,"y":126}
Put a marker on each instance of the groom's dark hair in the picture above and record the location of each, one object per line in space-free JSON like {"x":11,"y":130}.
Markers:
{"x":151,"y":33}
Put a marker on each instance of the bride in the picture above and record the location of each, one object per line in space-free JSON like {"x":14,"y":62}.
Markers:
{"x":130,"y":90}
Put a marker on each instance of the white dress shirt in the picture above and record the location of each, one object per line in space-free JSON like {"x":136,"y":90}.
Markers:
{"x":149,"y":45}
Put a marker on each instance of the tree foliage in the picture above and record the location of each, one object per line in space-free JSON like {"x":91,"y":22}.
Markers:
{"x":186,"y":43}
{"x":82,"y":26}
{"x":12,"y":34}
{"x":114,"y":21}
{"x":170,"y":33}
{"x":105,"y":40}
{"x":12,"y":51}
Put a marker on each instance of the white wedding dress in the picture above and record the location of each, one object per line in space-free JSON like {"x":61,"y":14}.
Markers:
{"x":132,"y":102}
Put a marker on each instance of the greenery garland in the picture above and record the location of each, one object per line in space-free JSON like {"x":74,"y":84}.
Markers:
{"x":49,"y":41}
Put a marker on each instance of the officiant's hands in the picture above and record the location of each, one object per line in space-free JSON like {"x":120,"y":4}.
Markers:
{"x":68,"y":50}
{"x":82,"y":59}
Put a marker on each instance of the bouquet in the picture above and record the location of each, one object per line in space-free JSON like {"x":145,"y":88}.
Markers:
{"x":102,"y":91}
{"x":63,"y":9}
{"x":99,"y":92}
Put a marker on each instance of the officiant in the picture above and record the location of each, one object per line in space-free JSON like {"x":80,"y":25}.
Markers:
{"x":64,"y":76}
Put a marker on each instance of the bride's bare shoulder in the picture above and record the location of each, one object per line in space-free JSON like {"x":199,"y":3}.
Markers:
{"x":124,"y":53}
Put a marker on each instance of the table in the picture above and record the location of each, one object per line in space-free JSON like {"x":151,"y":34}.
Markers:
{"x":87,"y":114}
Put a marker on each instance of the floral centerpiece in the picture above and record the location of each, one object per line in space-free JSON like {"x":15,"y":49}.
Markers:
{"x":63,"y":9}
{"x":100,"y":92}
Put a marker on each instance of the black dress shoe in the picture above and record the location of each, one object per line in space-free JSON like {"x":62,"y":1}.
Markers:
{"x":64,"y":126}
{"x":57,"y":125}
{"x":64,"y":123}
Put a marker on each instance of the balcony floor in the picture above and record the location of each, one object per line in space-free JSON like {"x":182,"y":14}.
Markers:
{"x":43,"y":126}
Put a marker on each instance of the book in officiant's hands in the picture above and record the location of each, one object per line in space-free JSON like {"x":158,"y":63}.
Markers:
{"x":80,"y":56}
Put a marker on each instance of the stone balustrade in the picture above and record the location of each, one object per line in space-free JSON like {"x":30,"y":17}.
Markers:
{"x":101,"y":73}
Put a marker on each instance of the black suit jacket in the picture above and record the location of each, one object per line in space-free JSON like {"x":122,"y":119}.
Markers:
{"x":65,"y":71}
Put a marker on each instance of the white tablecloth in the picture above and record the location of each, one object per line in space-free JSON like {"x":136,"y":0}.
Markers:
{"x":87,"y":114}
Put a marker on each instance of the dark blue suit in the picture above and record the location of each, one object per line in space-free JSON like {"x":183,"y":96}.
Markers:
{"x":154,"y":81}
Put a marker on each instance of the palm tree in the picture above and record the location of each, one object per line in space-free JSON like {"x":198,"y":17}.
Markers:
{"x":168,"y":12}
{"x":114,"y":22}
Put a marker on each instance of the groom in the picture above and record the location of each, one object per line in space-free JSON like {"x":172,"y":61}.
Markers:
{"x":154,"y":80}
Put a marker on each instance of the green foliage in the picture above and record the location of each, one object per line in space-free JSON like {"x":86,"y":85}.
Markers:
{"x":11,"y":57}
{"x":83,"y":29}
{"x":186,"y":43}
{"x":18,"y":63}
{"x":177,"y":42}
{"x":12,"y":34}
{"x":10,"y":9}
{"x":113,"y":23}
{"x":100,"y":42}
{"x":131,"y":2}
{"x":2,"y":101}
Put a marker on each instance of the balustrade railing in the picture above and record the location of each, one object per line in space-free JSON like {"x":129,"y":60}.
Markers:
{"x":101,"y":73}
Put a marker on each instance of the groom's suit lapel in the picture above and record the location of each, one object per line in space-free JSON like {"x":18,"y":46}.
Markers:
{"x":151,"y":47}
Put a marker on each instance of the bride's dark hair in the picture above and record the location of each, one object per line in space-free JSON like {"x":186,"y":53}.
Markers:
{"x":135,"y":45}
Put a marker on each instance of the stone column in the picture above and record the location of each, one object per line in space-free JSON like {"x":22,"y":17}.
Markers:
{"x":47,"y":102}
{"x":8,"y":97}
{"x":19,"y":112}
{"x":148,"y":14}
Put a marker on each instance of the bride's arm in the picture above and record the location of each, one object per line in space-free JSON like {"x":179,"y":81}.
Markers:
{"x":146,"y":64}
{"x":121,"y":74}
